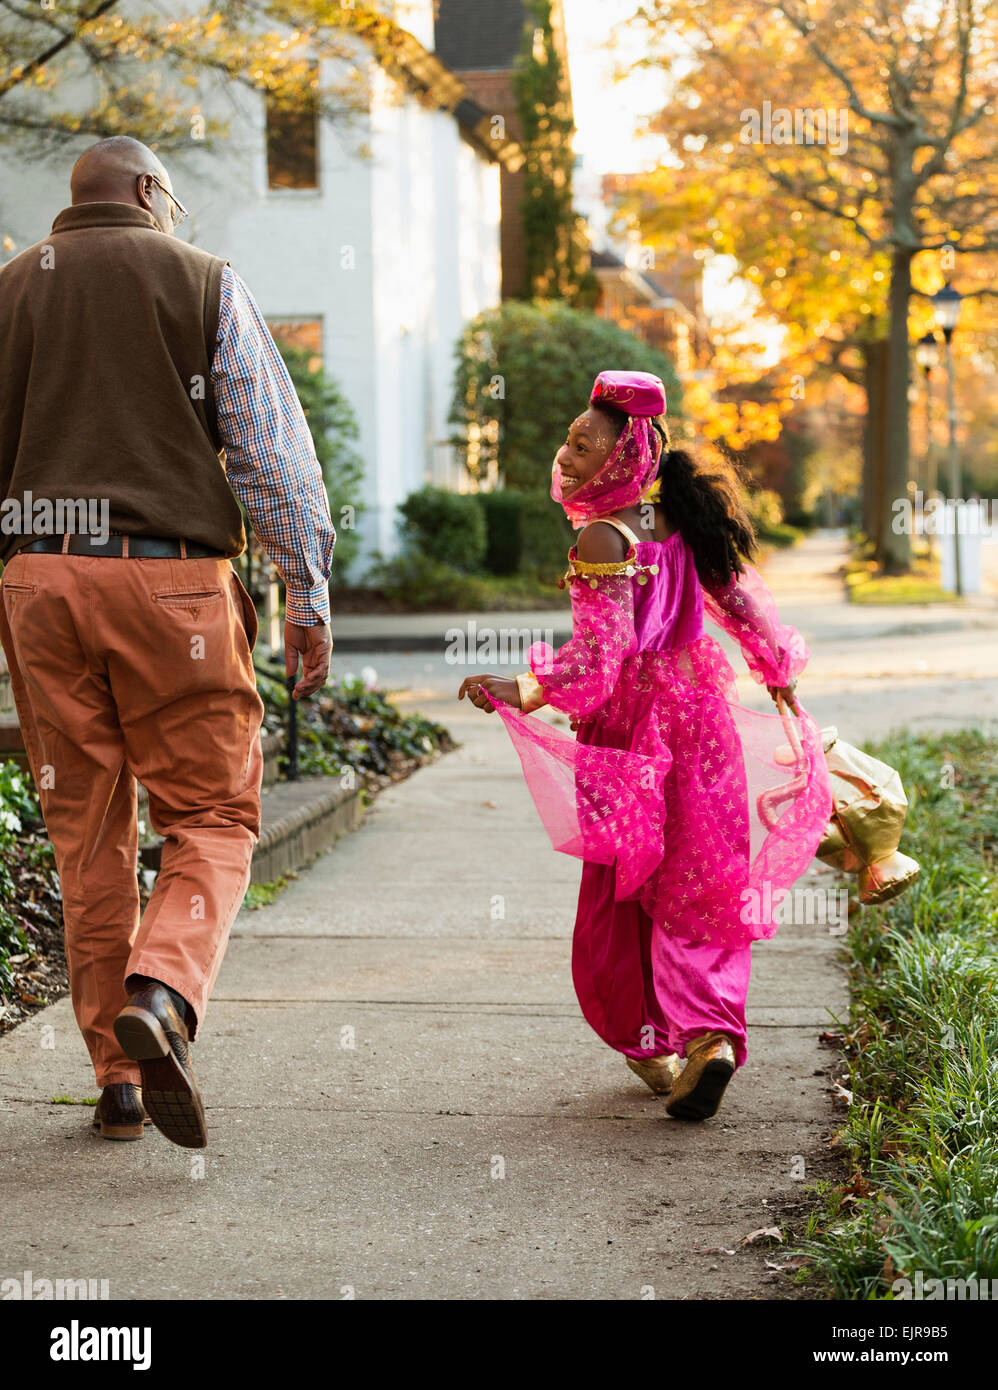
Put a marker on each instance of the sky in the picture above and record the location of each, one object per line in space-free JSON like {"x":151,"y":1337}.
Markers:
{"x":608,"y":117}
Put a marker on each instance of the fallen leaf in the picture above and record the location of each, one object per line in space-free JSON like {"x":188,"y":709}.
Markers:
{"x":842,"y":1093}
{"x":763,"y":1233}
{"x":857,"y":1185}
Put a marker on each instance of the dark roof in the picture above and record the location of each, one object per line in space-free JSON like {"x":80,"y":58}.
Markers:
{"x":474,"y":34}
{"x":436,"y":86}
{"x":660,"y":287}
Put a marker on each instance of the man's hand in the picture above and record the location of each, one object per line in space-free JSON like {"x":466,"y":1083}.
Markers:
{"x":315,"y":646}
{"x":499,"y":687}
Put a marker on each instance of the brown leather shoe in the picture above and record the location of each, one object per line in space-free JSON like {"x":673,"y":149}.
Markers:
{"x":660,"y":1073}
{"x":119,"y":1113}
{"x":710,"y":1065}
{"x":153,"y":1034}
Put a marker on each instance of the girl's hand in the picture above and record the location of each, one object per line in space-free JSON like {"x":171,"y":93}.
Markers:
{"x":787,"y":691}
{"x":499,"y":687}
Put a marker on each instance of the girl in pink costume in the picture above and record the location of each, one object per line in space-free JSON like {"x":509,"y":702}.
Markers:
{"x":691,"y":813}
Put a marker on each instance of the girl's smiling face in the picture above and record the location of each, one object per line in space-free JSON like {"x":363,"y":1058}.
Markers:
{"x":591,"y":441}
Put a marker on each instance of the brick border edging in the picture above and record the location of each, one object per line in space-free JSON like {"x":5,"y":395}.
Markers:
{"x":293,"y":841}
{"x":286,"y":845}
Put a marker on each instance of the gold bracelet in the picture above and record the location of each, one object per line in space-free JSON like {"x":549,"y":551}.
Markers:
{"x":531,"y":692}
{"x":591,"y":573}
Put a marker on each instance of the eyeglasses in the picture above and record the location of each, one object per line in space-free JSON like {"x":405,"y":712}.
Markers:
{"x":177,"y":212}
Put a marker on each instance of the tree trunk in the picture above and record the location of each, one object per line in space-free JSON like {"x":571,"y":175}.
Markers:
{"x":894,"y":551}
{"x":874,"y":438}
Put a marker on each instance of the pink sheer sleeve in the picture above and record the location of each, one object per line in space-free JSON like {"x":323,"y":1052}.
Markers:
{"x":746,"y":610}
{"x":581,"y":675}
{"x":603,"y":805}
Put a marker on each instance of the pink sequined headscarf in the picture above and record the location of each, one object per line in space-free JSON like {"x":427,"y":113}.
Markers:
{"x":633,"y":464}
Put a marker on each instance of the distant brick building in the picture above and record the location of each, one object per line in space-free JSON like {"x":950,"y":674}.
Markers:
{"x":658,"y":298}
{"x":480,"y":41}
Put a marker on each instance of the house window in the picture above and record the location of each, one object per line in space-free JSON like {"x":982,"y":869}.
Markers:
{"x":305,"y":335}
{"x":293,"y":139}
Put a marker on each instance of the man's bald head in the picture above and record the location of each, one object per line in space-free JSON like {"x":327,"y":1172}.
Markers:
{"x":110,"y":172}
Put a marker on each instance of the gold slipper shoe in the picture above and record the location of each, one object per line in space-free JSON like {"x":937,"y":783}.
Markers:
{"x":660,"y":1073}
{"x":710,"y":1065}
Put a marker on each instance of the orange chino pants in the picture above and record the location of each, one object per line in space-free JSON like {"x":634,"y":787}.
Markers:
{"x":125,"y":669}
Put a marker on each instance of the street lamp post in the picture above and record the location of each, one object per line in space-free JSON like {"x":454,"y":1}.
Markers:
{"x":946,"y":303}
{"x":927,"y":357}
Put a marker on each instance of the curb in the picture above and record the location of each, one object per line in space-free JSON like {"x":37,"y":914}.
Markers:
{"x":420,"y":642}
{"x":299,"y":820}
{"x":293,"y":836}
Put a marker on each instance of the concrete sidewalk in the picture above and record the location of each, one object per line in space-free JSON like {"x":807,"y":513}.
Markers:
{"x":403,"y":1099}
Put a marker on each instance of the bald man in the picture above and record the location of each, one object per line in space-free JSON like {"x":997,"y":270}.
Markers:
{"x":139,"y":386}
{"x":123,"y":170}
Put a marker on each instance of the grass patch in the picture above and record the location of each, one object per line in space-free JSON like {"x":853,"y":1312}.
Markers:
{"x":263,"y":894}
{"x":921,"y":1136}
{"x":897,"y":589}
{"x":72,"y":1100}
{"x":865,"y":583}
{"x":779,"y":535}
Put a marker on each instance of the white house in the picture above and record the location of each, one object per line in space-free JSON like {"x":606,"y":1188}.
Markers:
{"x":376,"y":263}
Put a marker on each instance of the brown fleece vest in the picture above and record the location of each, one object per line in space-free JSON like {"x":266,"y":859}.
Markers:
{"x":107,"y":332}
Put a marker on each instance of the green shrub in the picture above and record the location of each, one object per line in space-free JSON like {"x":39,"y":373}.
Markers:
{"x":413,"y":580}
{"x":448,"y":527}
{"x":524,"y":371}
{"x":545,"y":537}
{"x":334,"y":429}
{"x":503,"y":546}
{"x":765,"y":510}
{"x":352,"y":724}
{"x":17,"y":805}
{"x":779,"y":535}
{"x":417,"y":584}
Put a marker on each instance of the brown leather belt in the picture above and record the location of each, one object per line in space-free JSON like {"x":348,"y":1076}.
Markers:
{"x":161,"y":547}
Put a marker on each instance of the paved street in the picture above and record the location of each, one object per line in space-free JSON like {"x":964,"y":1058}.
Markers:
{"x":403,"y":1100}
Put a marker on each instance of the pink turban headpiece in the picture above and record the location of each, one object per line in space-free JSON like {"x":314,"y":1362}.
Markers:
{"x":632,"y":466}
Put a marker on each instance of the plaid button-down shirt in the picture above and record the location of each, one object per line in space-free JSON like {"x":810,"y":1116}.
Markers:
{"x":270,"y":459}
